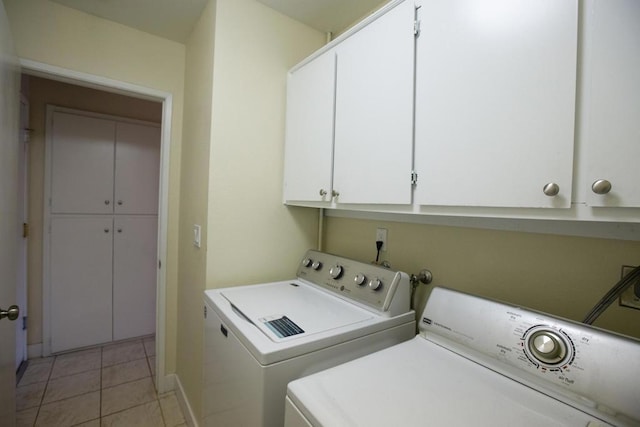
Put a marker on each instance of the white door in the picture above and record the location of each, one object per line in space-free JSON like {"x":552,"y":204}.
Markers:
{"x":374,"y":111}
{"x":308,"y":153}
{"x":80,"y":276}
{"x":495,"y":102}
{"x":612,"y":42}
{"x":82,"y":157}
{"x":134,"y":275}
{"x":137,"y":169}
{"x":9,"y":231}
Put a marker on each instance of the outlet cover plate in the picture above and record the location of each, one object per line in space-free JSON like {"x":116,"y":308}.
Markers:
{"x":631,"y":296}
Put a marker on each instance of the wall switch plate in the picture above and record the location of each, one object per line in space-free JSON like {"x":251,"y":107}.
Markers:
{"x":631,"y":296}
{"x":196,"y":235}
{"x":381,"y":235}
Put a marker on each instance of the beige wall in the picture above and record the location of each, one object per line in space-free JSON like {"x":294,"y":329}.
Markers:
{"x":561,"y":275}
{"x":49,"y":33}
{"x":193,"y":200}
{"x":40,"y":93}
{"x":235,"y":192}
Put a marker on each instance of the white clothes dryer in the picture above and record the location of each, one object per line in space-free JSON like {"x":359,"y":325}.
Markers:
{"x":260,"y":337}
{"x":482,"y":363}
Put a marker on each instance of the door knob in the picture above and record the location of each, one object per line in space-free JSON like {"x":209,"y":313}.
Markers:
{"x":12,"y":313}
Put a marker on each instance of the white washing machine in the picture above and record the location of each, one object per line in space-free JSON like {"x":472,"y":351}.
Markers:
{"x":260,"y":337}
{"x":482,"y":363}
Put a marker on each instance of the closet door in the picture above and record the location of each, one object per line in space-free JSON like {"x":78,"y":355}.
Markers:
{"x":81,"y":262}
{"x":137,"y":168}
{"x":81,"y":164}
{"x":134,"y":276}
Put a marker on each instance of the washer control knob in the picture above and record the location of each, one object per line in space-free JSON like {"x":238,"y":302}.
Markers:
{"x":317,"y":265}
{"x":336,"y":271}
{"x":375,"y":284}
{"x":548,"y":347}
{"x":306,"y":262}
{"x":360,"y":279}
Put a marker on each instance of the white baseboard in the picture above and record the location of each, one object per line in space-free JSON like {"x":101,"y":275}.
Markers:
{"x":34,"y":351}
{"x":187,"y":411}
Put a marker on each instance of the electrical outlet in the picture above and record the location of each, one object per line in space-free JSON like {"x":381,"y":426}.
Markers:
{"x":631,"y":296}
{"x":381,"y":235}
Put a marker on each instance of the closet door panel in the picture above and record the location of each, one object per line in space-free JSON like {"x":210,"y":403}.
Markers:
{"x":137,"y":169}
{"x":81,"y":164}
{"x":81,"y":263}
{"x":134,"y":276}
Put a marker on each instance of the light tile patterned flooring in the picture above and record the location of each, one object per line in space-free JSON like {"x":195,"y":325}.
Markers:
{"x":111,"y":385}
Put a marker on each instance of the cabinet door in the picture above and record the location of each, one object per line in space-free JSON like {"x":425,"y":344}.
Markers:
{"x":81,"y":164}
{"x":309,"y":130}
{"x":137,"y":168}
{"x":374,"y":111}
{"x":495,"y":97}
{"x":81,"y":262}
{"x":134,"y":276}
{"x":612,"y":32}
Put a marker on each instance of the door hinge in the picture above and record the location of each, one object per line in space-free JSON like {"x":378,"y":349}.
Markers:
{"x":25,"y":230}
{"x":159,"y":264}
{"x":416,"y":28}
{"x":414,"y":177}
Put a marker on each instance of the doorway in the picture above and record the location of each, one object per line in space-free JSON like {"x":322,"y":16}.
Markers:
{"x":164,"y":103}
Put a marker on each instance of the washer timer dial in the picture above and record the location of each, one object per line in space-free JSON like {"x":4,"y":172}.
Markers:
{"x":547,"y":346}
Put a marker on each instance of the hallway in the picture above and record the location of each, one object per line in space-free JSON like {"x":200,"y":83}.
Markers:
{"x":112,"y":385}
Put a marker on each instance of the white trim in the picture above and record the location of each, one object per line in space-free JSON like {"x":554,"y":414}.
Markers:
{"x":129,"y":89}
{"x":189,"y":417}
{"x":34,"y":351}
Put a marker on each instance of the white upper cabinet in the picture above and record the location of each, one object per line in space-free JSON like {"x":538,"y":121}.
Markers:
{"x":349,"y":132}
{"x":81,"y":164}
{"x":612,"y":103}
{"x":495,"y":102}
{"x":137,"y":169}
{"x":309,"y":130}
{"x":374,"y":111}
{"x":103,"y":166}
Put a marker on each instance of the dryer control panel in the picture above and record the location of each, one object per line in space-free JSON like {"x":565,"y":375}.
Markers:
{"x":596,"y":368}
{"x":375,"y":287}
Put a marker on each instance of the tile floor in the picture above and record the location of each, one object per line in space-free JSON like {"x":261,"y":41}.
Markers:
{"x":111,"y":385}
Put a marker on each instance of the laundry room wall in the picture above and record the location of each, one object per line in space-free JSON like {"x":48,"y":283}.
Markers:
{"x":53,"y":34}
{"x":562,"y":275}
{"x":40,"y":93}
{"x":236,"y":64}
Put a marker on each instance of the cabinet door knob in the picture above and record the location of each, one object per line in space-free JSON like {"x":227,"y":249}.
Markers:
{"x":119,"y":202}
{"x":119,"y":230}
{"x":551,"y":189}
{"x":106,"y":230}
{"x":334,"y":193}
{"x":323,"y":192}
{"x":106,"y":202}
{"x":601,"y":186}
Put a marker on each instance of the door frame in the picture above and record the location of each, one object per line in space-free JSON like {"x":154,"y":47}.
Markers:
{"x":163,"y":382}
{"x":23,"y":208}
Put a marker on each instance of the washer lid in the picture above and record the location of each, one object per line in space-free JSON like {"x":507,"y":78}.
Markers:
{"x":416,"y":383}
{"x":288,"y":310}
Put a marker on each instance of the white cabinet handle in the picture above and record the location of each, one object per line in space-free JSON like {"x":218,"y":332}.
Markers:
{"x":601,"y":186}
{"x":551,"y":189}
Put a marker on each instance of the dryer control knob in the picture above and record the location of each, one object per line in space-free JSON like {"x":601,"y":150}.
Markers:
{"x":317,"y":265}
{"x":306,"y":262}
{"x":375,"y":284}
{"x":360,"y":279}
{"x":336,"y":271}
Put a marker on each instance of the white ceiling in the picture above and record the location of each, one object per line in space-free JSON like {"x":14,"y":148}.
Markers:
{"x":174,"y":19}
